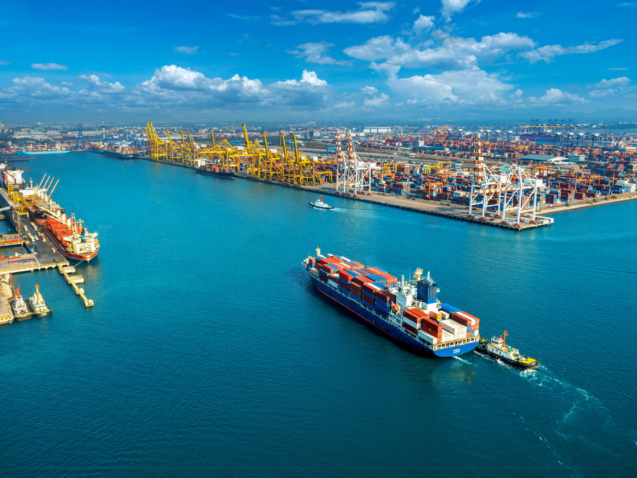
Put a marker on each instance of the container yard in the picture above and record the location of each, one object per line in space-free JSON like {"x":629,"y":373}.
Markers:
{"x":479,"y":187}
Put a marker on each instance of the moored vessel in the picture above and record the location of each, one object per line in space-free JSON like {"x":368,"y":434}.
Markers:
{"x":71,"y":238}
{"x":19,"y":307}
{"x":219,"y":171}
{"x":408,"y":311}
{"x":38,"y":304}
{"x":320,"y":204}
{"x":497,"y":348}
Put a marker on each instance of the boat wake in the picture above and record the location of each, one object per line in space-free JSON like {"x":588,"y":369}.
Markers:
{"x":575,"y":426}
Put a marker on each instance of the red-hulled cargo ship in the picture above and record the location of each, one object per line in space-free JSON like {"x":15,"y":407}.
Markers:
{"x":71,"y":238}
{"x":408,"y":311}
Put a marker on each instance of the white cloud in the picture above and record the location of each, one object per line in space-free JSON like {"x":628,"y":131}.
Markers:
{"x":621,"y":82}
{"x":609,"y":87}
{"x":602,"y":93}
{"x":368,"y":12}
{"x":5,"y":63}
{"x":190,"y":50}
{"x":453,"y":54}
{"x":528,"y":15}
{"x":345,"y":104}
{"x":517,"y":96}
{"x":30,"y":89}
{"x":369,"y":91}
{"x":315,"y":53}
{"x":245,"y":18}
{"x":66,"y":83}
{"x":548,"y":52}
{"x":280,"y":21}
{"x":451,"y":7}
{"x":94,"y":84}
{"x":618,"y":69}
{"x":48,"y":66}
{"x":172,"y":87}
{"x":376,"y":101}
{"x":470,"y":86}
{"x":423,"y":23}
{"x":556,"y":97}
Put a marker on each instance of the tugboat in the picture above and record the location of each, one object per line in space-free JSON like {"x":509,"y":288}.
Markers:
{"x":496,"y":347}
{"x":320,"y":204}
{"x":38,"y":304}
{"x":19,"y":306}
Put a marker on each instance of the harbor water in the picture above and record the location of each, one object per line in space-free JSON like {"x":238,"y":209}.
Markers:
{"x":210,"y":353}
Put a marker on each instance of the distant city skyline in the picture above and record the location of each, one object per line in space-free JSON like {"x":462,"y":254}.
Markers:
{"x":473,"y":60}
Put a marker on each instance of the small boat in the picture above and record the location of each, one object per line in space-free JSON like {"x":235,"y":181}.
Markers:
{"x":497,"y":348}
{"x":20,"y":308}
{"x":320,"y":204}
{"x":38,"y":304}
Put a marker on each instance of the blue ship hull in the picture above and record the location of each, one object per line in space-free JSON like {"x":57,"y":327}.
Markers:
{"x":366,"y":314}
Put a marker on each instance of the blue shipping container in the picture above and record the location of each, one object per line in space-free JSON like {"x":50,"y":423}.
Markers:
{"x":449,"y":308}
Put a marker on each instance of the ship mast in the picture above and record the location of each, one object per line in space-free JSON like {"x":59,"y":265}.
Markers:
{"x":504,"y":336}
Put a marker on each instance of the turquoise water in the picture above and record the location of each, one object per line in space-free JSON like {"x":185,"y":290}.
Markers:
{"x":209,"y":353}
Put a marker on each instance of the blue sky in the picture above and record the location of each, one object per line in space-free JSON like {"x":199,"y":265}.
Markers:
{"x":305,"y":60}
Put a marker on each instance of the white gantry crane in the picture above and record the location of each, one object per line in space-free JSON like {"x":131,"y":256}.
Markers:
{"x":353,"y":174}
{"x":493,"y":194}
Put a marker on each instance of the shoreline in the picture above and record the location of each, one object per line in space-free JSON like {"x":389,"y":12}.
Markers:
{"x":434,"y":208}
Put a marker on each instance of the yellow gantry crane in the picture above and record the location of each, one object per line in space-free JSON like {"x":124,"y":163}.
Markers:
{"x":258,"y":160}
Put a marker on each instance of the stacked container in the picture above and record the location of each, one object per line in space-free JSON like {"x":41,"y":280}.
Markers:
{"x":473,"y":323}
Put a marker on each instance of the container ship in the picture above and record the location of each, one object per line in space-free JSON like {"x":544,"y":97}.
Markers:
{"x":71,"y":238}
{"x":408,"y":311}
{"x":220,"y":171}
{"x":120,"y":151}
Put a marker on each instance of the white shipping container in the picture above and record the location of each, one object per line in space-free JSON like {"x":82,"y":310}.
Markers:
{"x":445,"y":315}
{"x":427,"y":338}
{"x":452,"y":327}
{"x":446,"y":337}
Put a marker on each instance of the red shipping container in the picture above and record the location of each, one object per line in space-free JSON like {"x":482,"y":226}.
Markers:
{"x":415,"y":312}
{"x":463,"y":320}
{"x":371,"y":288}
{"x":434,"y":333}
{"x":409,"y":327}
{"x":367,"y":299}
{"x":383,"y":295}
{"x":345,"y":275}
{"x":362,"y":280}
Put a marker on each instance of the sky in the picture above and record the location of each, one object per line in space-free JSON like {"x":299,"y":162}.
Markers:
{"x":306,"y":60}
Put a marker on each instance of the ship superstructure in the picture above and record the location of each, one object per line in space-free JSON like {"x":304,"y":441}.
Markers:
{"x":408,"y":311}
